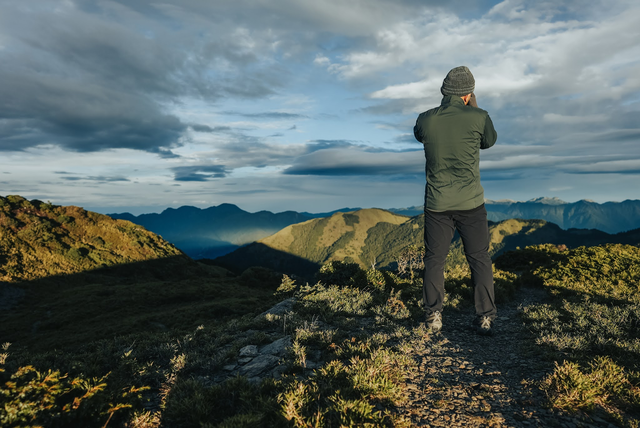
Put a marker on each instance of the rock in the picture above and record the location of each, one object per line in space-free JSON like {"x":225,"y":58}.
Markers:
{"x":278,"y":371}
{"x":278,"y":347}
{"x":259,"y":365}
{"x":229,"y":367}
{"x":244,"y":360}
{"x":279,"y":309}
{"x":249,"y":351}
{"x":311,"y":365}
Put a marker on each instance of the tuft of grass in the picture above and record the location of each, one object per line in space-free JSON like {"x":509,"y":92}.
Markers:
{"x":348,"y":390}
{"x":602,"y":383}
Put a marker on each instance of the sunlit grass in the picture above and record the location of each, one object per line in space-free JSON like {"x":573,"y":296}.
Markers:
{"x":590,"y":327}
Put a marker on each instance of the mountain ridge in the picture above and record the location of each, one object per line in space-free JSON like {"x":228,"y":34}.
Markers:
{"x":375,"y":238}
{"x":207,"y":233}
{"x":213,"y":231}
{"x":610,"y":217}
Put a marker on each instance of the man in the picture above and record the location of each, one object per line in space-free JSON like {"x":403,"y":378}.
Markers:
{"x":452,"y":135}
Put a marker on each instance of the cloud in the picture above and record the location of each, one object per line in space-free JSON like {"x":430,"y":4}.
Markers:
{"x":623,"y":166}
{"x":199,"y":172}
{"x":277,"y":115}
{"x":98,"y":178}
{"x":352,"y":161}
{"x":207,"y":128}
{"x":210,"y":91}
{"x":92,"y":77}
{"x":573,"y":120}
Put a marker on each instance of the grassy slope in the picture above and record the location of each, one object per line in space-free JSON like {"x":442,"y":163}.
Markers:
{"x":84,"y":276}
{"x":590,"y":326}
{"x":38,"y":240}
{"x":376,"y":237}
{"x":339,"y":237}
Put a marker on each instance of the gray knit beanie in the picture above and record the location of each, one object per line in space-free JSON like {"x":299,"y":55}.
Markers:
{"x":458,"y":82}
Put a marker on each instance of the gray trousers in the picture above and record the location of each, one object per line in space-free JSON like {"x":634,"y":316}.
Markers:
{"x":439,"y":228}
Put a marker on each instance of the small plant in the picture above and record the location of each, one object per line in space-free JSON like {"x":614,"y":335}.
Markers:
{"x":411,"y":262}
{"x":33,"y":398}
{"x":287,"y":286}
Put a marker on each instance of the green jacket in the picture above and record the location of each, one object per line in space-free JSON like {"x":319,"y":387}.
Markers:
{"x":453,"y":135}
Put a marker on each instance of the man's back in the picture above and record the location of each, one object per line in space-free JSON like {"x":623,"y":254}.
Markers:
{"x":453,"y":134}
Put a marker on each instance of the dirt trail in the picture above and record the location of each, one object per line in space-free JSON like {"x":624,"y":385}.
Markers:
{"x":466,"y":380}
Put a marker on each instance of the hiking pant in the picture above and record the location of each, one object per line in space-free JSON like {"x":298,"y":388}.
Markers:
{"x":473,"y":228}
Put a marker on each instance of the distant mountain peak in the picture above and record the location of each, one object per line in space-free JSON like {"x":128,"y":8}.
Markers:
{"x":500,"y":201}
{"x":548,"y":201}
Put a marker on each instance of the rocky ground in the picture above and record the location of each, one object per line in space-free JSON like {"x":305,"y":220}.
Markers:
{"x":462,"y":379}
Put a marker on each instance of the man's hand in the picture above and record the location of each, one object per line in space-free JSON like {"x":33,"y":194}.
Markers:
{"x":472,"y":100}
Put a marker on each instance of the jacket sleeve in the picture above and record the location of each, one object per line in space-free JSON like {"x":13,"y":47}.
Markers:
{"x":417,"y":130}
{"x":489,"y":135}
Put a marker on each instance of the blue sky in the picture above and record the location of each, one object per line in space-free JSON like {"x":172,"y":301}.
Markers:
{"x":309,"y":105}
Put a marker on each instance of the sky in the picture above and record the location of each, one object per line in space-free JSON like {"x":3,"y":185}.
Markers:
{"x":136,"y":106}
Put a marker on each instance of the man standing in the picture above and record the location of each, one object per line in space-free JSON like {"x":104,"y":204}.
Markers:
{"x":452,"y":135}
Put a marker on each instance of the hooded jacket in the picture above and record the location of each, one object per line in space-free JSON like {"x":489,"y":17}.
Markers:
{"x":452,"y":135}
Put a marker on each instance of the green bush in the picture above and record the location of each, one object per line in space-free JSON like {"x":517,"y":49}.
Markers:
{"x":261,"y":277}
{"x":339,"y":272}
{"x":333,"y":300}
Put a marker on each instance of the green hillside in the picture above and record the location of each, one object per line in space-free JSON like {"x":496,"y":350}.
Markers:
{"x":38,"y":240}
{"x":69,"y":276}
{"x":375,"y":238}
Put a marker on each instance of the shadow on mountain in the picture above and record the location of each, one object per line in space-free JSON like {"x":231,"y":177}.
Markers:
{"x":258,"y":254}
{"x":551,"y":233}
{"x":160,"y":295}
{"x":206,"y":251}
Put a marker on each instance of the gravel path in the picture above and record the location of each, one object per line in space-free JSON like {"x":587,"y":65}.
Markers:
{"x":462,"y":379}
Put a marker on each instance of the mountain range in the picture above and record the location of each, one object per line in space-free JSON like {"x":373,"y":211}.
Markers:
{"x":214,"y":231}
{"x":218,"y":230}
{"x":610,"y":217}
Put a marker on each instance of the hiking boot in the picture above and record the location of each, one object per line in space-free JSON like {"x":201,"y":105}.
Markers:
{"x":483,"y":325}
{"x":434,"y":321}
